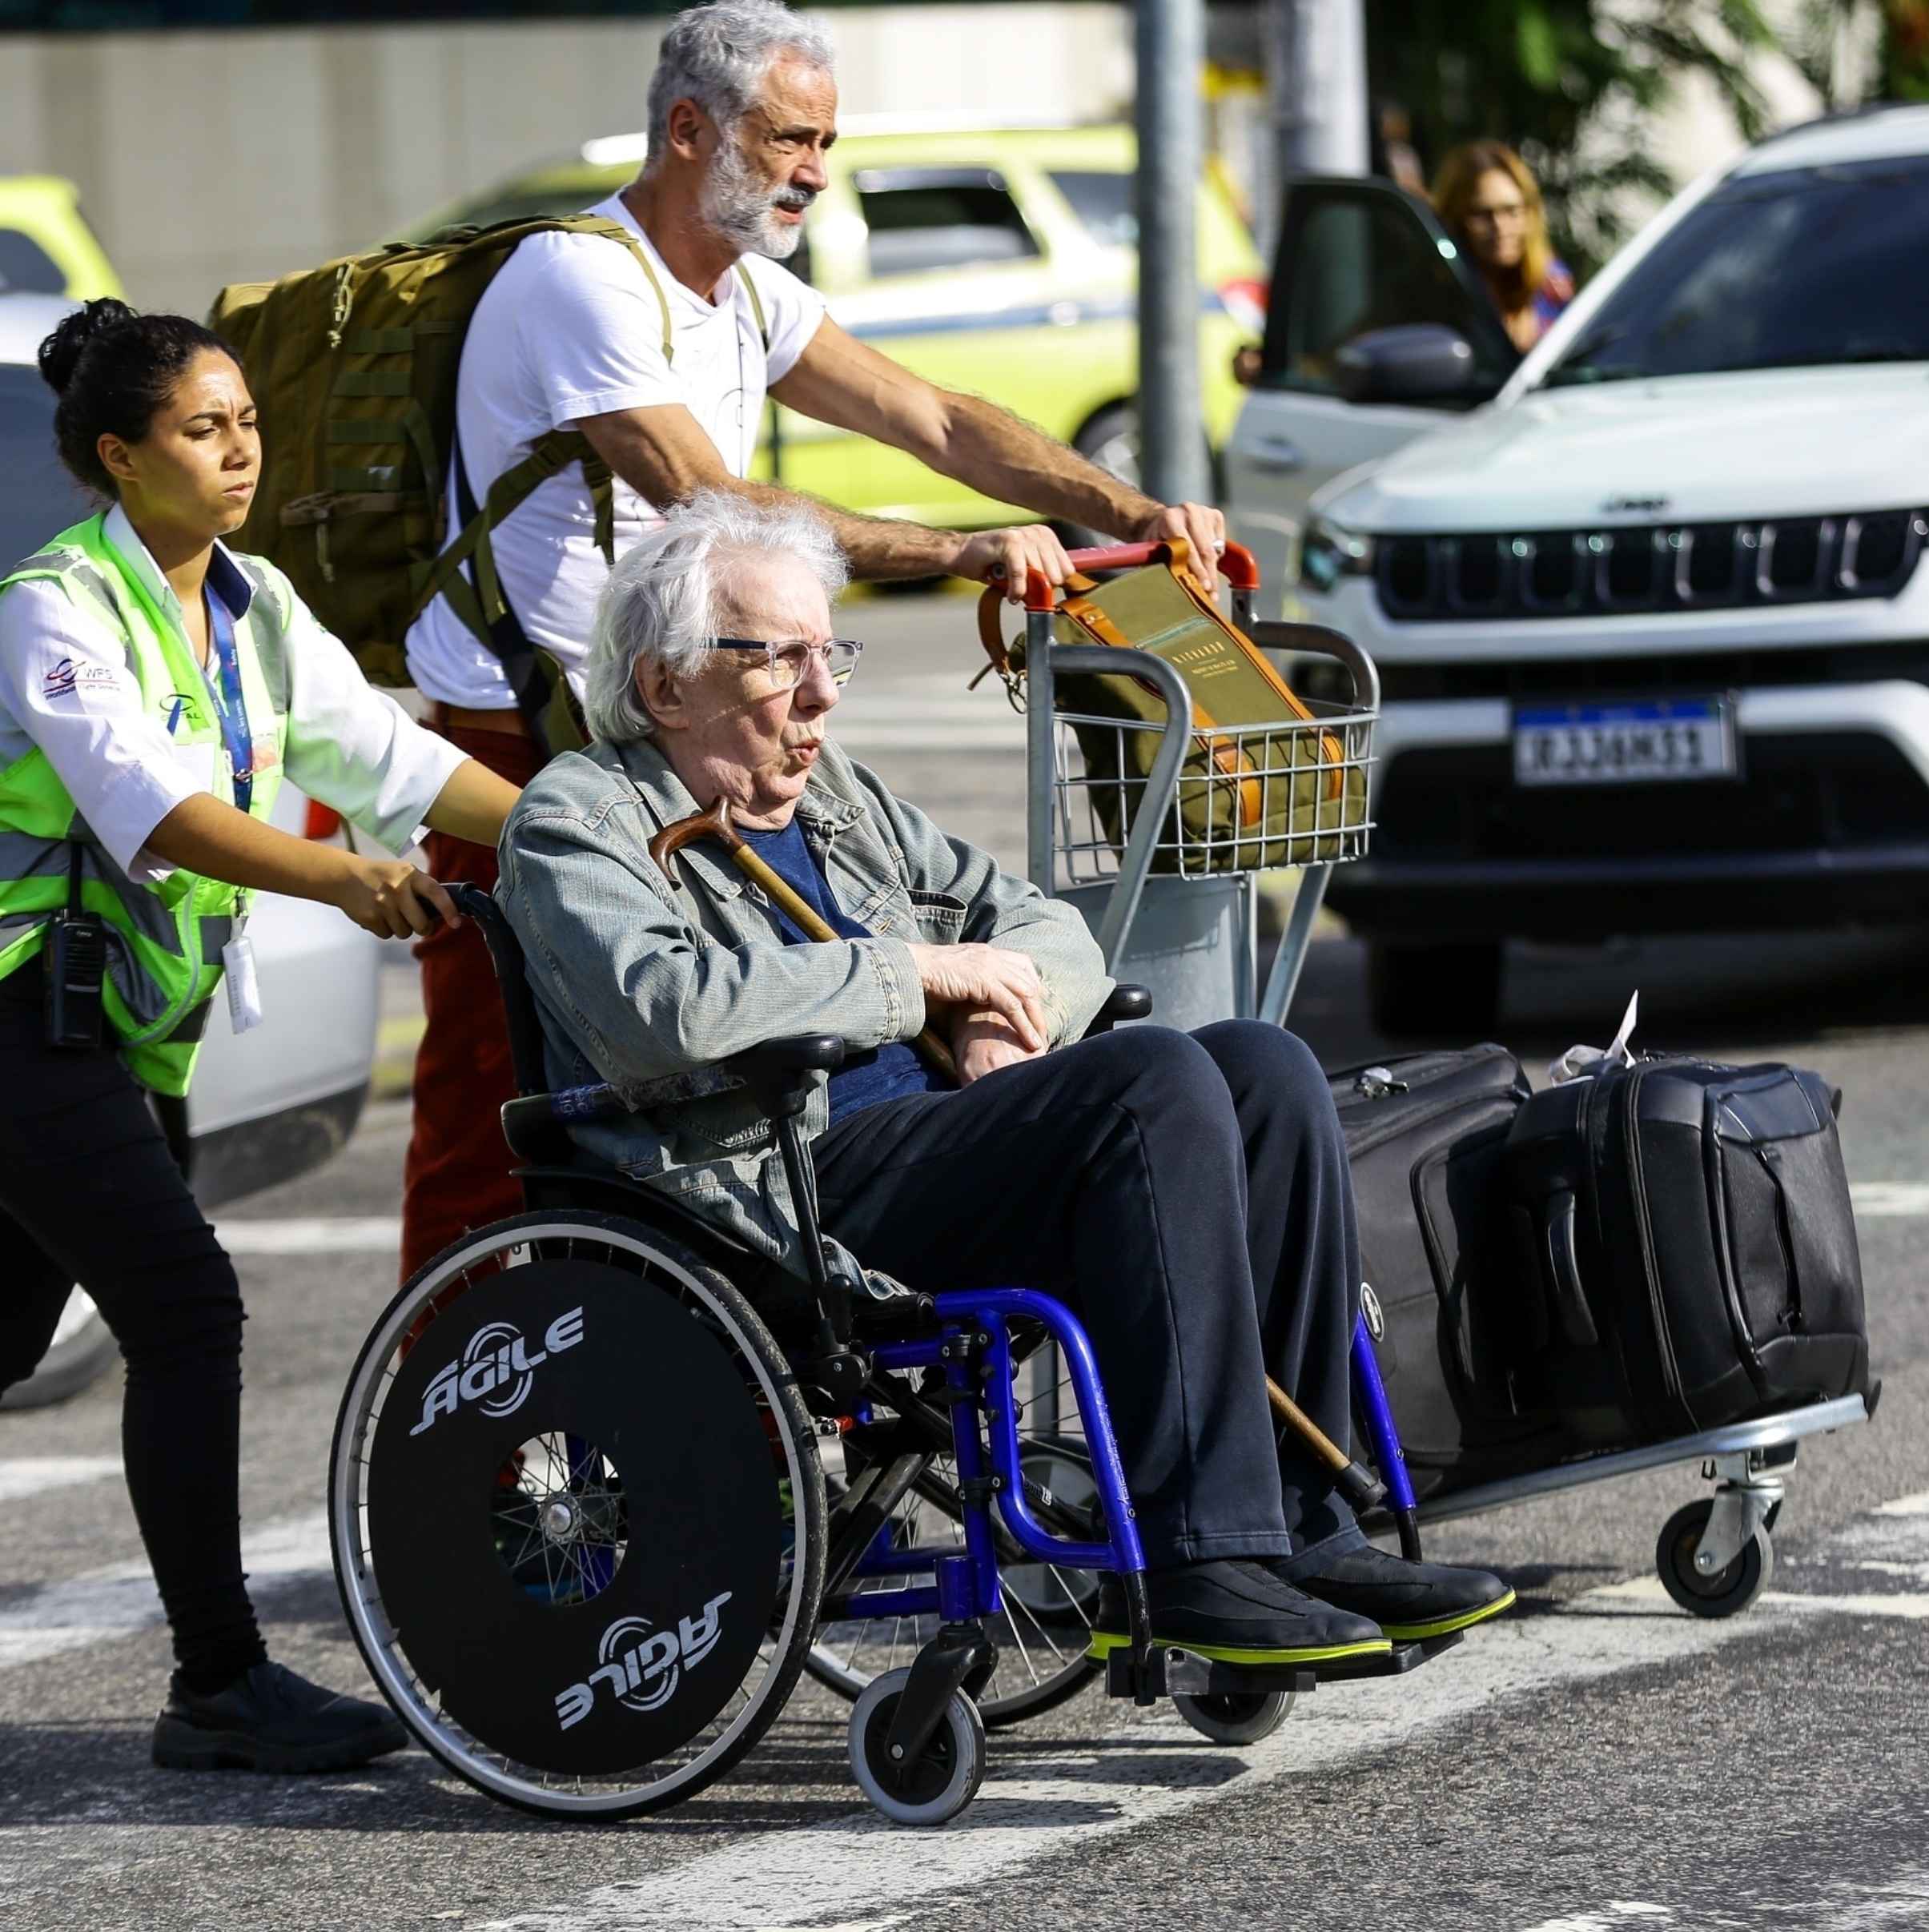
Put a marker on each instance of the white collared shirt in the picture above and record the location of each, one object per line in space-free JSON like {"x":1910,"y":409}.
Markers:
{"x":570,"y":327}
{"x":65,"y":686}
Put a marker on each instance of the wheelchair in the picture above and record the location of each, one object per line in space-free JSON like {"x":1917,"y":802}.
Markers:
{"x":603,"y":1488}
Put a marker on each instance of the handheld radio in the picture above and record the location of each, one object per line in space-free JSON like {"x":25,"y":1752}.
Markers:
{"x":76,"y":966}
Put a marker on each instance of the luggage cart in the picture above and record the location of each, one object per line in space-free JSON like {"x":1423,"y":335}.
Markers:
{"x":1175,"y":908}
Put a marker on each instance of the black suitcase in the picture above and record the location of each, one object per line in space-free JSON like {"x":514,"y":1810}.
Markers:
{"x":1686,"y":1248}
{"x":1426,"y":1136}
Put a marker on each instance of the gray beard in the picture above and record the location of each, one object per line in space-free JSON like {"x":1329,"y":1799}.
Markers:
{"x":742,"y":208}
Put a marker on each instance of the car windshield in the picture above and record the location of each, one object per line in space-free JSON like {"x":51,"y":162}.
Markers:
{"x":38,"y":498}
{"x":1815,"y":266}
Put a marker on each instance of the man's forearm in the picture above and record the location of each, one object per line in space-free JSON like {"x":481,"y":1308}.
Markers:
{"x":878,"y":548}
{"x":999,"y":457}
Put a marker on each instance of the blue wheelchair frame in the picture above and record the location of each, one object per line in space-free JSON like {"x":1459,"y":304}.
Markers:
{"x":972,"y":1346}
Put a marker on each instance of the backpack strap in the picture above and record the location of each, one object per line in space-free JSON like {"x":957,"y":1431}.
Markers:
{"x":542,"y":692}
{"x":756,"y":305}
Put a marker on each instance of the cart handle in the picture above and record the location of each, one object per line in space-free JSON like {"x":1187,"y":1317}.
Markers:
{"x":1235,"y":565}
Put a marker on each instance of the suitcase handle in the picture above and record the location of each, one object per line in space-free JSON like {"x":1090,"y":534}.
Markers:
{"x":1564,"y":1263}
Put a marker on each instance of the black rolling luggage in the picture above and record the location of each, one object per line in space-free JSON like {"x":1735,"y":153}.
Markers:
{"x":1685,"y":1249}
{"x":1426,"y":1136}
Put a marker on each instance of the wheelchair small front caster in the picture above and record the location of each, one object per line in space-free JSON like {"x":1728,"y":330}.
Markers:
{"x":946,"y":1775}
{"x":1729,"y":1590}
{"x":1236,"y":1716}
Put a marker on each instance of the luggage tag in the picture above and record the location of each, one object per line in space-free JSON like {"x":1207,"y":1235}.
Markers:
{"x":1578,"y":1061}
{"x":243,"y":988}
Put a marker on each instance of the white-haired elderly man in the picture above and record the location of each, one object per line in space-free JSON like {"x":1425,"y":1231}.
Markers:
{"x":662,"y":357}
{"x":1187,"y":1194}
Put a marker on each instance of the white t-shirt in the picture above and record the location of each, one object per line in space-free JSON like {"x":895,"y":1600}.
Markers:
{"x":570,"y":327}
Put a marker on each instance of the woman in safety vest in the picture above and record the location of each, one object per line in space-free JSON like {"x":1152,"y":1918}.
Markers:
{"x":154,"y":687}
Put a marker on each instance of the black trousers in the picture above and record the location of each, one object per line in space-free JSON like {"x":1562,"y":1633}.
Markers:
{"x":1189,"y":1196}
{"x":89,"y":1193}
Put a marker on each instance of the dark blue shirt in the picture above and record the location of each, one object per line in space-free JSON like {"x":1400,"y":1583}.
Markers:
{"x":883,"y":1073}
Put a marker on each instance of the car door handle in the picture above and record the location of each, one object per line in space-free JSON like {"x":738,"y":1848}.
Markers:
{"x":1275,"y":454}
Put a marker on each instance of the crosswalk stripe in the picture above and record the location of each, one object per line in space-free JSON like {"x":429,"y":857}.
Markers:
{"x":314,"y":1234}
{"x":21,"y":1476}
{"x":855,"y":1869}
{"x":1881,"y":1200}
{"x":120,"y":1599}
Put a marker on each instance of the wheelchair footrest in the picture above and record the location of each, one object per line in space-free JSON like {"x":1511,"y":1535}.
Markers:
{"x":1402,"y":1658}
{"x":1184,"y":1673}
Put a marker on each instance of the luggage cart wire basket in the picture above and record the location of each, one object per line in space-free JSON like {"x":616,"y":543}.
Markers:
{"x":1163,"y":855}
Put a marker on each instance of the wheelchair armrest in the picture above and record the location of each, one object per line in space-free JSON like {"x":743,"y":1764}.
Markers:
{"x":779,"y":1074}
{"x":1124,"y":1003}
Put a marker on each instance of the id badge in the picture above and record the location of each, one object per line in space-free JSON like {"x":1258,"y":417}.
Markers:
{"x":243,"y":989}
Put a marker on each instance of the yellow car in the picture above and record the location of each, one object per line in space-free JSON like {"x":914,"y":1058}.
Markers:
{"x":47,"y":248}
{"x":997,"y":260}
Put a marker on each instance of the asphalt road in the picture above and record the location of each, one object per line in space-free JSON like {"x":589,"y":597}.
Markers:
{"x":1599,"y":1761}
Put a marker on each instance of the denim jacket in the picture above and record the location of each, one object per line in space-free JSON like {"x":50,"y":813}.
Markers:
{"x":646,"y":984}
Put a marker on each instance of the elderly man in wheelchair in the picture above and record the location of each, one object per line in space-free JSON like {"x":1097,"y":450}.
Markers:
{"x":981,"y":1129}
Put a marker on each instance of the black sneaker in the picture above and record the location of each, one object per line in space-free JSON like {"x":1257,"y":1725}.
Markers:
{"x":1236,"y":1612}
{"x":1409,"y":1601}
{"x":271,"y":1719}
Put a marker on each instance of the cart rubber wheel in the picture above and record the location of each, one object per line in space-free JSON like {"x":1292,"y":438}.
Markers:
{"x":1726,"y":1594}
{"x":944,"y":1780}
{"x":1236,"y":1716}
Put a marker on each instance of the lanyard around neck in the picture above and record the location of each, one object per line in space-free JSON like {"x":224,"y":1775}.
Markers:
{"x":230,"y":707}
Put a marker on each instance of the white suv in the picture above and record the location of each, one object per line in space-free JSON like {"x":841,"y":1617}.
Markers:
{"x":1653,"y":639}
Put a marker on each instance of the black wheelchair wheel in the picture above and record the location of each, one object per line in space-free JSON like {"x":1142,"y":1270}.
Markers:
{"x":1043,"y":1633}
{"x":577,"y":1515}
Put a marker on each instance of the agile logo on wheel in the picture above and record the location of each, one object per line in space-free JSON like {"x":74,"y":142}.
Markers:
{"x":496,"y":1369}
{"x":643,"y":1665}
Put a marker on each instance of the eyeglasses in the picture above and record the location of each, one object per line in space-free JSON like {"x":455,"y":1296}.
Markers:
{"x":786,"y":660}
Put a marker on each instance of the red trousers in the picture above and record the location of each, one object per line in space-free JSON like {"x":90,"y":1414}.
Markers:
{"x":457,"y":1174}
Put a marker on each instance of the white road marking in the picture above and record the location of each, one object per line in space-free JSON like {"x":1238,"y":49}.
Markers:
{"x":25,"y":1476}
{"x":120,"y":1599}
{"x":932,"y":713}
{"x":1617,"y":1913}
{"x":316,"y":1234}
{"x":1880,"y":1199}
{"x":861,"y":1862}
{"x":783,"y":1882}
{"x":1916,"y":1505}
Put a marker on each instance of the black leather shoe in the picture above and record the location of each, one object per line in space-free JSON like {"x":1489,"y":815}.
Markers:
{"x":1237,"y":1612}
{"x":1409,"y":1600}
{"x":271,"y":1719}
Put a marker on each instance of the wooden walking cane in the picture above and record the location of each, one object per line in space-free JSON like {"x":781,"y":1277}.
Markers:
{"x":1362,"y":1490}
{"x":716,"y":823}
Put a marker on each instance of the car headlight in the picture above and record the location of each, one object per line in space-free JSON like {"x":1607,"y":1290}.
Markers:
{"x":1329,"y":553}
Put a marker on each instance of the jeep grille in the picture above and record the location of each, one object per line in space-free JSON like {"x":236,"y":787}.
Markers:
{"x":1601,"y":573}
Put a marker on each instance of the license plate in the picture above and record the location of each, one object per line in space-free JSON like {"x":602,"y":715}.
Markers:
{"x":1670,"y":739}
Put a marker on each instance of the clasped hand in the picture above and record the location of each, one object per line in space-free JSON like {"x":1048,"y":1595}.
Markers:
{"x":989,"y":999}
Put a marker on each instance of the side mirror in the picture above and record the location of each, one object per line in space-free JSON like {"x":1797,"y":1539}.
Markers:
{"x":1417,"y":361}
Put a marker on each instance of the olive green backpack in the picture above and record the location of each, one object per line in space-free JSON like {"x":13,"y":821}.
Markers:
{"x":353,"y":369}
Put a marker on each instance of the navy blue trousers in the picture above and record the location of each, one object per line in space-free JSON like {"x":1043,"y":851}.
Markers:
{"x":1189,"y":1196}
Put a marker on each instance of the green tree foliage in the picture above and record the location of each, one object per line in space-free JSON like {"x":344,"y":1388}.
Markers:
{"x":1573,"y":84}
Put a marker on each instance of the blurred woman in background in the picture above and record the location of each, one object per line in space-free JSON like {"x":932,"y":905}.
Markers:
{"x":1490,"y":203}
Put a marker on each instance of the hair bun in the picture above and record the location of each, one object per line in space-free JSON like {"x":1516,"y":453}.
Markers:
{"x":61,"y":353}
